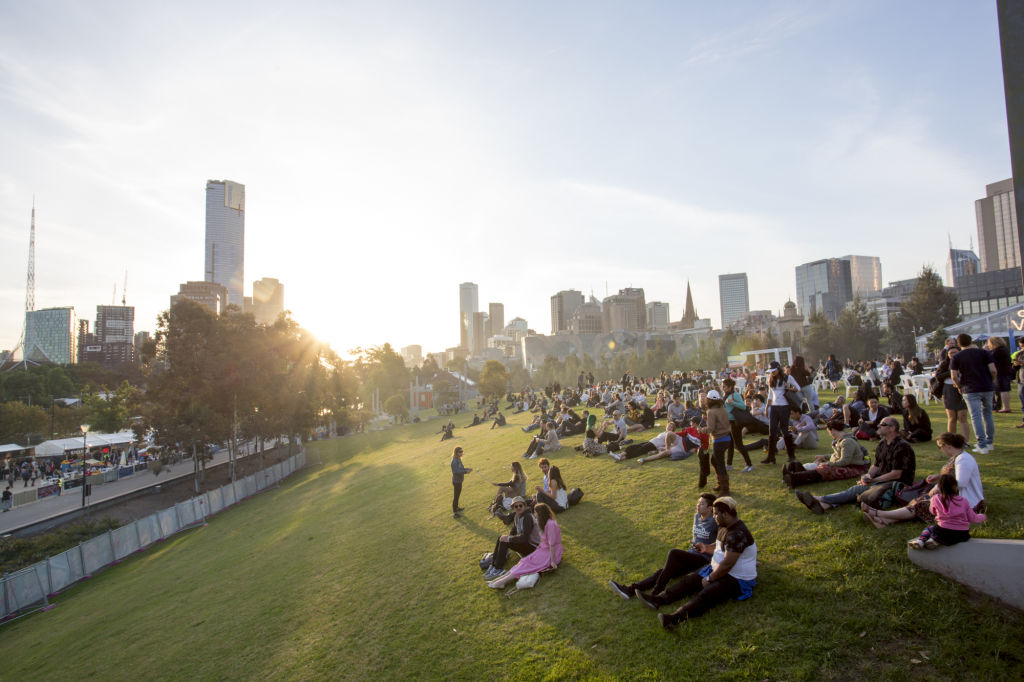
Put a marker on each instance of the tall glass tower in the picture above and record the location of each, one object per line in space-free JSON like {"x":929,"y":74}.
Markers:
{"x":225,"y":237}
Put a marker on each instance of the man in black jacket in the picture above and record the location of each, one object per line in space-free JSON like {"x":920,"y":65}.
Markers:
{"x":524,"y":539}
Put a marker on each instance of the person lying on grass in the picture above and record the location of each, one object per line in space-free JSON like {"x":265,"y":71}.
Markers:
{"x":663,"y":442}
{"x":680,"y":561}
{"x":731,"y":573}
{"x":545,"y":557}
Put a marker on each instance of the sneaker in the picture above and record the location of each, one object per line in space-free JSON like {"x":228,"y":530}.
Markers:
{"x":728,"y":467}
{"x":491,"y":585}
{"x":456,"y":515}
{"x":618,"y":457}
{"x":619,"y":589}
{"x":646,"y":599}
{"x":490,"y":574}
{"x":916,"y":543}
{"x":500,"y":572}
{"x":931,"y":543}
{"x":533,"y":456}
{"x":666,"y":621}
{"x":747,"y":469}
{"x":809,"y":501}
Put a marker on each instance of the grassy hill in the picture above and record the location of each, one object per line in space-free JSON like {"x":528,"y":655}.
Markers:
{"x":355,"y":569}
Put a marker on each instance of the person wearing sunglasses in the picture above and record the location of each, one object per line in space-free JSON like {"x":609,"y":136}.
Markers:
{"x":894,"y":462}
{"x":524,"y":538}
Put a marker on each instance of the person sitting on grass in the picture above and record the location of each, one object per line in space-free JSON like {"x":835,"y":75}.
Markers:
{"x":679,"y":561}
{"x":846,"y":461}
{"x":553,"y":491}
{"x":547,"y":555}
{"x":547,"y":441}
{"x":894,"y":462}
{"x":499,"y":420}
{"x":507,"y":491}
{"x":917,"y":426}
{"x":476,"y":421}
{"x":613,"y":432}
{"x":870,"y":416}
{"x":953,"y":517}
{"x":448,"y":431}
{"x":731,"y":573}
{"x":524,"y":538}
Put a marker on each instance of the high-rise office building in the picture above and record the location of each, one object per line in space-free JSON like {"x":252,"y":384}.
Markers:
{"x":587,"y":319}
{"x":961,"y":262}
{"x":51,"y":335}
{"x":115,"y":334}
{"x":495,"y":318}
{"x":996,"y":215}
{"x":625,"y":311}
{"x":563,"y":305}
{"x":225,"y":237}
{"x":267,"y":300}
{"x":657,"y":316}
{"x":823,"y":286}
{"x":733,"y":297}
{"x":468,"y":304}
{"x":210,"y":294}
{"x":517,"y":328}
{"x":865,"y":274}
{"x":478,"y":337}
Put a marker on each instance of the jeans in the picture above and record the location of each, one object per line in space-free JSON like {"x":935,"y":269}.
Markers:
{"x":979,"y":406}
{"x":455,"y":498}
{"x":1020,"y":395}
{"x":678,"y":563}
{"x":848,"y":496}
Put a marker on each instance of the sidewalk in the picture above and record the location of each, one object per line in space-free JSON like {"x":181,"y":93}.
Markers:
{"x":71,"y":500}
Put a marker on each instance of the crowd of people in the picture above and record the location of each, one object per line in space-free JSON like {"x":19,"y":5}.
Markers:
{"x":710,"y":414}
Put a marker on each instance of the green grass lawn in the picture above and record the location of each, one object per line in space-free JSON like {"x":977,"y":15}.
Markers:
{"x":355,"y":569}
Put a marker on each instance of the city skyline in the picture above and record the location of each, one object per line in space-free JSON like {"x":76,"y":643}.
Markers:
{"x":522,"y":155}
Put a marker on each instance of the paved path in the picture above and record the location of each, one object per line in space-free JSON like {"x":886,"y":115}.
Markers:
{"x":71,"y":500}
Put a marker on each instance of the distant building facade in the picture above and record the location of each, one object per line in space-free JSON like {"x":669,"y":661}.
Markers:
{"x":625,"y":311}
{"x":51,"y":335}
{"x":212,"y":295}
{"x":823,"y":286}
{"x":865,"y":274}
{"x":495,"y":319}
{"x":563,"y":306}
{"x":469,"y":303}
{"x":733,"y":297}
{"x":959,"y":263}
{"x":115,"y":334}
{"x":657,"y":316}
{"x":990,"y":291}
{"x":996,"y":216}
{"x":267,"y":300}
{"x":225,"y":237}
{"x":412,"y":355}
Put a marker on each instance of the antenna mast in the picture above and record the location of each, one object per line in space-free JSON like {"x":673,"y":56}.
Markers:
{"x":124,"y":289}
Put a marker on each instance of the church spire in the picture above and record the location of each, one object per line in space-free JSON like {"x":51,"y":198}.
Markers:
{"x":690,"y":315}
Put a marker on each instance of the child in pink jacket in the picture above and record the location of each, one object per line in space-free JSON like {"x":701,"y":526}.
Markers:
{"x":953,"y":517}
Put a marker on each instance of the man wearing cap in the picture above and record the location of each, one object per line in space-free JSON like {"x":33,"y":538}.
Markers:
{"x":524,"y":540}
{"x":731,"y":573}
{"x":894,"y":461}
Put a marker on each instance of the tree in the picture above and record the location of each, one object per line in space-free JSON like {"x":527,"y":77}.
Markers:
{"x":857,"y":332}
{"x":19,"y":421}
{"x":493,"y":380}
{"x":821,"y":339}
{"x":398,"y":407}
{"x":111,"y":414}
{"x":929,"y":308}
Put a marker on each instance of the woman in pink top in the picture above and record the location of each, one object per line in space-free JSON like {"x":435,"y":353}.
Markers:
{"x":953,"y":517}
{"x":545,"y":557}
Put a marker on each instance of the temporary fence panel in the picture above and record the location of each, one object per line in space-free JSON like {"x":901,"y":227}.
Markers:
{"x":24,"y":496}
{"x":124,"y":472}
{"x":186,"y":514}
{"x":149,"y":530}
{"x":31,"y":586}
{"x":110,"y":476}
{"x":126,"y":540}
{"x":25,"y":588}
{"x":97,"y":552}
{"x":168,"y":522}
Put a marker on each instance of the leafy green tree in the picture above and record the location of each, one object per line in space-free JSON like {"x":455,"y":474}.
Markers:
{"x":110,"y":414}
{"x":821,"y":338}
{"x":398,"y":407}
{"x":929,"y":308}
{"x":857,"y":332}
{"x":19,"y":422}
{"x":493,"y":380}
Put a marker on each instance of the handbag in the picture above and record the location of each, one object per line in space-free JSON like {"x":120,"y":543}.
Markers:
{"x":795,"y":400}
{"x":527,"y":581}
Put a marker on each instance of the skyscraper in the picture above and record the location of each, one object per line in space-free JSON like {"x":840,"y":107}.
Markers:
{"x":961,"y":262}
{"x":267,"y":300}
{"x":657,"y":316}
{"x":225,"y":237}
{"x":823,"y":286}
{"x":865,"y":274}
{"x":733,"y":297}
{"x":496,"y":318}
{"x":468,"y":304}
{"x":563,"y":305}
{"x":625,"y":311}
{"x":51,"y":335}
{"x":996,"y":215}
{"x":115,"y":333}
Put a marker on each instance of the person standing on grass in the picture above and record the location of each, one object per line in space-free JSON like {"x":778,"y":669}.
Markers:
{"x":458,"y":475}
{"x":974,"y":374}
{"x":679,"y":561}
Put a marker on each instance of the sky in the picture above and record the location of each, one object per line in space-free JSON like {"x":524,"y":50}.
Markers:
{"x":392,"y":150}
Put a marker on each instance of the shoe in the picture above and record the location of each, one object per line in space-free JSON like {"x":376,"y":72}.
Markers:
{"x":983,"y":451}
{"x":500,"y":572}
{"x":491,"y":585}
{"x":646,"y":599}
{"x":768,"y":460}
{"x":1003,"y":411}
{"x":747,"y":469}
{"x":916,"y":543}
{"x":490,"y":574}
{"x":461,"y":509}
{"x":618,"y":457}
{"x":809,"y":501}
{"x":931,"y":543}
{"x":728,"y":467}
{"x":667,"y":621}
{"x":456,"y":515}
{"x":533,"y":456}
{"x":619,"y":589}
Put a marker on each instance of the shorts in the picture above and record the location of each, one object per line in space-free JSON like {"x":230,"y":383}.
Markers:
{"x":951,"y":398}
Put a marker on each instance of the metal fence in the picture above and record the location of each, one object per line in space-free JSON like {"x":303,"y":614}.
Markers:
{"x":30,"y":588}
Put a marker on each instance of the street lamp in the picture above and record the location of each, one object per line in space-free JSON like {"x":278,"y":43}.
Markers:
{"x":85,"y":452}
